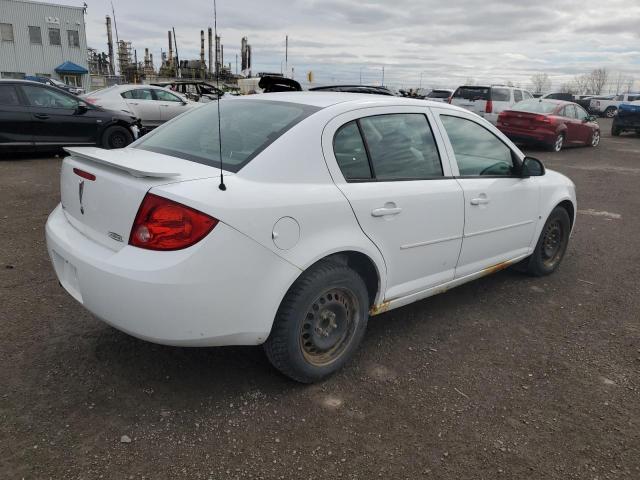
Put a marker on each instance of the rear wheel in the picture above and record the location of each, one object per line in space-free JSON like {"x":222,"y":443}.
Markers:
{"x":595,"y":138}
{"x":320,"y":323}
{"x":116,"y":137}
{"x":615,"y":131}
{"x":551,"y":245}
{"x":610,"y":112}
{"x":558,"y":143}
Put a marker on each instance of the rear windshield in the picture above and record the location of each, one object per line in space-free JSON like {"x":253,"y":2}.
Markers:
{"x":535,"y":106}
{"x":439,"y":94}
{"x":472,"y":93}
{"x":247,"y":128}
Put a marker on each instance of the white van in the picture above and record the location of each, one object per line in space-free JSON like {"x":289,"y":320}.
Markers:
{"x":488,"y":102}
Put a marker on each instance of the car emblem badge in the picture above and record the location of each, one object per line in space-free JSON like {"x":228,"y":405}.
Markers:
{"x":80,"y":194}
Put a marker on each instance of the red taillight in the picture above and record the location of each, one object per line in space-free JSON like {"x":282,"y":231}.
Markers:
{"x":489,"y":107}
{"x":542,"y":119}
{"x":162,"y":224}
{"x":83,"y":174}
{"x":449,"y":99}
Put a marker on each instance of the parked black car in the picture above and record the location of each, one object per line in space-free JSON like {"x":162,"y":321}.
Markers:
{"x":37,"y":116}
{"x":627,"y":119}
{"x":57,"y":83}
{"x":196,"y":90}
{"x":354,"y":89}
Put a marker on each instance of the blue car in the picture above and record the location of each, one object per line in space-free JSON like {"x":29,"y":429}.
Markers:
{"x":627,"y":119}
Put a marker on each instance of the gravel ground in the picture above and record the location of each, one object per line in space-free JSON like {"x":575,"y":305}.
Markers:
{"x":506,"y":377}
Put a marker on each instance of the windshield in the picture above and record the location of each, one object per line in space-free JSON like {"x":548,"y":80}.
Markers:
{"x":535,"y":106}
{"x":248,"y":127}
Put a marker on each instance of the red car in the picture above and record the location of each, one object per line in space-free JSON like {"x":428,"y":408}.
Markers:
{"x":554,"y":123}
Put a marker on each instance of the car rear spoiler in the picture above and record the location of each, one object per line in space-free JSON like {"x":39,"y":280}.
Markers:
{"x":123,"y":159}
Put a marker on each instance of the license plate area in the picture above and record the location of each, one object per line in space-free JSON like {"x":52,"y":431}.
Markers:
{"x":67,"y":275}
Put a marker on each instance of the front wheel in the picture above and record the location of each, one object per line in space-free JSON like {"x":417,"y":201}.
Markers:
{"x":116,"y":137}
{"x":320,"y":323}
{"x":551,"y":245}
{"x":595,"y":138}
{"x":615,"y":131}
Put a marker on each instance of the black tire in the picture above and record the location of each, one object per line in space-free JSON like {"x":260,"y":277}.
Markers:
{"x":615,"y":131}
{"x":116,"y":137}
{"x":610,"y":112}
{"x":320,"y":323}
{"x":551,"y":245}
{"x":595,"y":139}
{"x":557,"y":144}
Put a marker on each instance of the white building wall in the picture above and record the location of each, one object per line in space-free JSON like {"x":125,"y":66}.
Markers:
{"x":23,"y":57}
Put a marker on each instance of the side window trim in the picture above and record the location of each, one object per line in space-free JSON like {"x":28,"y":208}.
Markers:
{"x":449,"y":147}
{"x":372,"y":168}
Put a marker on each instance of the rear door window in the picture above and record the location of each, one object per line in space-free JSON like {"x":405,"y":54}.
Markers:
{"x":500,"y":95}
{"x":351,"y":153}
{"x":138,"y":94}
{"x":8,"y":95}
{"x":517,"y":96}
{"x":401,"y":146}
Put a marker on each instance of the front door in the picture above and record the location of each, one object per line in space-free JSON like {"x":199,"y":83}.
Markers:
{"x":387,"y":164}
{"x":57,"y":119}
{"x":500,"y":207}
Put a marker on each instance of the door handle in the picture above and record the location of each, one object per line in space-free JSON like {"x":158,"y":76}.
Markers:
{"x":479,"y":201}
{"x":384,"y":211}
{"x":134,"y":103}
{"x":41,"y":116}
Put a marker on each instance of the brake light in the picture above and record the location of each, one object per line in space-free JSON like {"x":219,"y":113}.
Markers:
{"x":162,"y":224}
{"x":489,"y":107}
{"x":83,"y":174}
{"x":542,"y":119}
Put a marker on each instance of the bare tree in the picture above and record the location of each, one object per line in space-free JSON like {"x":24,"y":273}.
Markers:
{"x":569,"y":87}
{"x":597,"y":79}
{"x":541,"y":82}
{"x":620,"y":82}
{"x":630,"y":82}
{"x":580,"y":84}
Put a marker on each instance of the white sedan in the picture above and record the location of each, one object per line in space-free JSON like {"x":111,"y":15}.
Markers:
{"x":152,"y":105}
{"x":333,"y":207}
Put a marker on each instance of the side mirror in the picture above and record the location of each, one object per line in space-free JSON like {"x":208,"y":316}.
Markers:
{"x":532,"y":167}
{"x":81,"y":109}
{"x":592,"y":118}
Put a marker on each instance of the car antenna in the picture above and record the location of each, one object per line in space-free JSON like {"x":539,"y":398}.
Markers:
{"x":222,"y":186}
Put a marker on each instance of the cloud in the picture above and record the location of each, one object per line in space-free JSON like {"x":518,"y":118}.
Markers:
{"x":444,"y":43}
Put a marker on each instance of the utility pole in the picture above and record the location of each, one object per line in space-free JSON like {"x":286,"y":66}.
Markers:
{"x":175,"y":42}
{"x":361,"y":75}
{"x":383,"y":75}
{"x":286,"y":53}
{"x":236,"y":64}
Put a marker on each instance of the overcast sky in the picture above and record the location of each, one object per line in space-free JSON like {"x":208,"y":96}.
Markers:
{"x":445,"y":42}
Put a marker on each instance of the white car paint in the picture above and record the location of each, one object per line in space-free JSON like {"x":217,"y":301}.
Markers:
{"x":162,"y":104}
{"x":282,"y":212}
{"x":502,"y":98}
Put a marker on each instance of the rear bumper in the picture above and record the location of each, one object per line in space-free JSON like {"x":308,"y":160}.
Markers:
{"x":519,"y":135}
{"x":225,"y":290}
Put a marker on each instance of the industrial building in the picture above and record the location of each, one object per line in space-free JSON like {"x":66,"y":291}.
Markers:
{"x":43,"y":39}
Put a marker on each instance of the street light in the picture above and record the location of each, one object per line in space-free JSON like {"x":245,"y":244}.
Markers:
{"x":361,"y":75}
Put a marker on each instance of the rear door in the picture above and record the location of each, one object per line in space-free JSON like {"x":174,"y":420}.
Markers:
{"x":143,"y":105}
{"x":575,"y":127}
{"x":170,"y":105}
{"x":16,"y":125}
{"x":387,"y":163}
{"x":500,"y":207}
{"x":57,"y":119}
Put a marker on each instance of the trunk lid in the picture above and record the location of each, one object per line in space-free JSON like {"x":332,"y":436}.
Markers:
{"x":524,"y":120}
{"x":101,"y":190}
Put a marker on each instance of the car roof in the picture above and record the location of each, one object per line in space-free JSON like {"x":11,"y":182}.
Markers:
{"x":25,"y":82}
{"x":347,"y":99}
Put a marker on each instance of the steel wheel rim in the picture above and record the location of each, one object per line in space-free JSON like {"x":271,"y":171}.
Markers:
{"x":328,"y":327}
{"x":117,"y":140}
{"x":611,"y":113}
{"x":596,"y":139}
{"x":552,"y":243}
{"x":558,"y":145}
